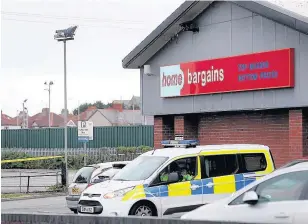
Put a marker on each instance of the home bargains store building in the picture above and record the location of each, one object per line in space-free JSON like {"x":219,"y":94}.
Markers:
{"x":228,"y":72}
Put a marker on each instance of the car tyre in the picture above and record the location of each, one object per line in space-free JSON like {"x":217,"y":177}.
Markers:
{"x":143,"y":209}
{"x":74,"y":210}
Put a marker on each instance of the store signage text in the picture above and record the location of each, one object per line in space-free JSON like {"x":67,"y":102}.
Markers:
{"x":266,"y":70}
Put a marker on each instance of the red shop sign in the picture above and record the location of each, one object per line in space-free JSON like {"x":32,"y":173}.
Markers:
{"x":266,"y":70}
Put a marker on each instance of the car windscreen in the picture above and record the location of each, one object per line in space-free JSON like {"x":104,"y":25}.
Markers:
{"x":106,"y":175}
{"x":140,"y":169}
{"x":83,"y":175}
{"x":118,"y":165}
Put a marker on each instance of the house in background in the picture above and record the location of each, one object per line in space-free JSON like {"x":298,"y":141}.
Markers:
{"x":41,"y":120}
{"x":121,"y":113}
{"x":117,"y":115}
{"x":129,"y":104}
{"x":8,"y":122}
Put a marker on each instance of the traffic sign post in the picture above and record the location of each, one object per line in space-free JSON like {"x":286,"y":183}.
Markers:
{"x":85,"y":134}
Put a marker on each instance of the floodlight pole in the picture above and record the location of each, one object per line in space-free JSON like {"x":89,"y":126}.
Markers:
{"x":65,"y":114}
{"x":65,"y":35}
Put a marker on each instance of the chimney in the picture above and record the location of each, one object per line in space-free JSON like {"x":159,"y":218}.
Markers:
{"x":45,"y":111}
{"x":118,"y":106}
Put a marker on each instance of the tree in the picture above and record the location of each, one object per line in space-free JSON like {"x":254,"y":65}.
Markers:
{"x":136,"y":107}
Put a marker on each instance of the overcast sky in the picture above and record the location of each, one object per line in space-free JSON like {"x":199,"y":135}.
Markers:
{"x":108,"y":30}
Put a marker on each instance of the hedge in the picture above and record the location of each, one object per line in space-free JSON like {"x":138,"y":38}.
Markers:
{"x":74,"y":162}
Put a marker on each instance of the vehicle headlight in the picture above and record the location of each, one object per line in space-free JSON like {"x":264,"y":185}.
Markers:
{"x":118,"y":193}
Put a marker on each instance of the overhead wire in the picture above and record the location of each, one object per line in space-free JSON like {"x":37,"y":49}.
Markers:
{"x":82,"y":25}
{"x":71,"y":17}
{"x":104,"y":23}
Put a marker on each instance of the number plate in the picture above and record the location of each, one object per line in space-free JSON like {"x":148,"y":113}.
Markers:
{"x":75,"y":191}
{"x":87,"y":209}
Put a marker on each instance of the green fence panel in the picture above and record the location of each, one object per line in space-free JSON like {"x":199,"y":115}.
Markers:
{"x":102,"y":137}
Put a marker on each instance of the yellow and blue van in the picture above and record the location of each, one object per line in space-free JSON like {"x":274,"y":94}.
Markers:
{"x":177,"y":178}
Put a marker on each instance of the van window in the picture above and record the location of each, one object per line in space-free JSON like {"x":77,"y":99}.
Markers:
{"x":219,"y":165}
{"x":253,"y":162}
{"x":182,"y":166}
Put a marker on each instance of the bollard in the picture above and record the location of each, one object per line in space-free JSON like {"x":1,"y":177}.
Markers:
{"x":28,"y":184}
{"x":19,"y":182}
{"x":57,"y":178}
{"x":63,"y":174}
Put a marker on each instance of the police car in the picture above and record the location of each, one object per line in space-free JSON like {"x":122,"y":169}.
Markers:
{"x":196,"y":175}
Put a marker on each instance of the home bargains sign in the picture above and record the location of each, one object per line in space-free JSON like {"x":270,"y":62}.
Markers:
{"x":266,"y":70}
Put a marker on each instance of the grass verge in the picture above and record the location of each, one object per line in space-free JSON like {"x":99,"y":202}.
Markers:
{"x":17,"y":195}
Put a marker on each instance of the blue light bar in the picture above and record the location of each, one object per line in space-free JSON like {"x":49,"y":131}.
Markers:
{"x":186,"y":143}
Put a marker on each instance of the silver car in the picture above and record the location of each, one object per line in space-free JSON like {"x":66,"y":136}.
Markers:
{"x":88,"y":176}
{"x":279,"y":197}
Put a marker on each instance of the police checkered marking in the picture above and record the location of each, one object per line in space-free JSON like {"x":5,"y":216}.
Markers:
{"x":207,"y":186}
{"x":151,"y":191}
{"x":249,"y":178}
{"x":163,"y":191}
{"x":216,"y":185}
{"x":239,"y":181}
{"x":198,"y":187}
{"x":136,"y":193}
{"x":224,"y":184}
{"x":179,"y":189}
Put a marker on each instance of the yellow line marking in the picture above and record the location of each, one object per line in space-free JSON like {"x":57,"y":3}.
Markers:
{"x":30,"y":159}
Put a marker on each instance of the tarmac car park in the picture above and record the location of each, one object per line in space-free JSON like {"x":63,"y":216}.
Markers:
{"x":280,"y":197}
{"x":217,"y":171}
{"x":89,"y":175}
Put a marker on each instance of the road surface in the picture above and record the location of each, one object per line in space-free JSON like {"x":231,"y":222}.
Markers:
{"x":54,"y":205}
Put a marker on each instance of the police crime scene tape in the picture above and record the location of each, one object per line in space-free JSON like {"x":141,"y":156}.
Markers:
{"x":30,"y":159}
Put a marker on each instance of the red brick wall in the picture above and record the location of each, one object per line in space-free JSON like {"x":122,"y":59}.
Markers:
{"x":163,"y":129}
{"x":284,"y":131}
{"x":191,"y":126}
{"x":179,"y":125}
{"x":187,"y":125}
{"x":267,"y":128}
{"x":305,"y":132}
{"x":295,"y":134}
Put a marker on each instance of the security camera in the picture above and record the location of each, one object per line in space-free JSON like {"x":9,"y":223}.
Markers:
{"x":147,"y":70}
{"x":190,"y":26}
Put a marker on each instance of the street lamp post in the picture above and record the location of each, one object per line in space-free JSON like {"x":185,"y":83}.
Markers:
{"x":65,"y":35}
{"x":48,"y":89}
{"x":23,"y":114}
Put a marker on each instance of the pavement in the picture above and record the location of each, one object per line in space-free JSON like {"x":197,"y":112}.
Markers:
{"x":41,"y":183}
{"x":55,"y":205}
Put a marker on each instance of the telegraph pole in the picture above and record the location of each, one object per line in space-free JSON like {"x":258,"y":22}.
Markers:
{"x":49,"y":89}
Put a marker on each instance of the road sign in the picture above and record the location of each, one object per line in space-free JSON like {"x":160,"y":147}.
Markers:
{"x":85,"y":131}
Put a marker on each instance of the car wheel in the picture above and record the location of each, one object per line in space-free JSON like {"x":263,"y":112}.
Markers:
{"x":74,"y":210}
{"x":143,"y":209}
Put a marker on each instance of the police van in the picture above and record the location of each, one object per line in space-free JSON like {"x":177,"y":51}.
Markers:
{"x":178,"y":178}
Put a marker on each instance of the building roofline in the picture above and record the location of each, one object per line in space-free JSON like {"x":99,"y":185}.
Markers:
{"x":189,"y":10}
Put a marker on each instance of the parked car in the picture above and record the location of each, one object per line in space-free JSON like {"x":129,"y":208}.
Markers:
{"x":90,"y":175}
{"x":280,"y":197}
{"x":177,"y":178}
{"x":294,"y":162}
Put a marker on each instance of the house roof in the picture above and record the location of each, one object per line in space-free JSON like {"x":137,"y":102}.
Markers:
{"x":42,"y":120}
{"x":189,"y":10}
{"x":7,"y":120}
{"x":122,"y":117}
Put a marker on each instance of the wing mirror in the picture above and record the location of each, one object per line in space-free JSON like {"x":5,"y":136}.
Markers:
{"x":251,"y":198}
{"x":173,"y":177}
